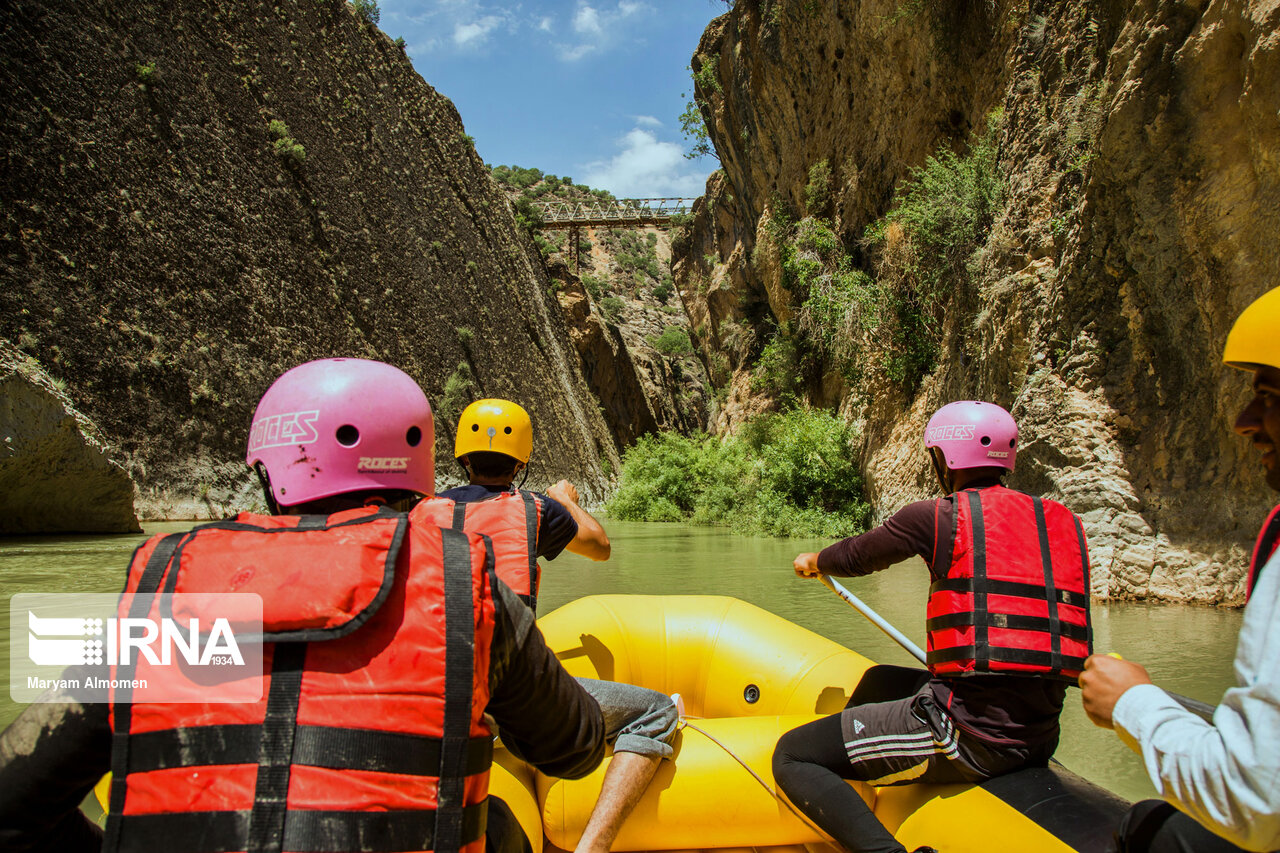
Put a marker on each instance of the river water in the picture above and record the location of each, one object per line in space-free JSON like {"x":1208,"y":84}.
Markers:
{"x":1187,"y":649}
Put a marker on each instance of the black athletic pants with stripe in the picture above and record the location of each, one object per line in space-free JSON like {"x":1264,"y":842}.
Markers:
{"x":893,"y":742}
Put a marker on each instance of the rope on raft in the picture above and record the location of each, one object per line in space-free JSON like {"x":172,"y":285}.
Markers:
{"x":803,"y":819}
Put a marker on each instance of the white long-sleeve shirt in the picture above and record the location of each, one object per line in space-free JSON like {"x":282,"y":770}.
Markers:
{"x":1226,"y":774}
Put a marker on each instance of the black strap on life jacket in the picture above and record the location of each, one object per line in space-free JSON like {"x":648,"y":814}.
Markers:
{"x":531,"y":536}
{"x":313,"y":746}
{"x":1050,"y":588}
{"x":1088,"y":585}
{"x":275,"y":749}
{"x":122,"y":710}
{"x":981,"y":644}
{"x":311,"y":830}
{"x":459,"y":657}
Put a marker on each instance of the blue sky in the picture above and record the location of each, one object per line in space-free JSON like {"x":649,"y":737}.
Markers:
{"x":591,"y":89}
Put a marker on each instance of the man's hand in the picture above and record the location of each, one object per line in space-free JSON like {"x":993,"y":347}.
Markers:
{"x":590,"y":541}
{"x":1103,"y":682}
{"x":806,"y":565}
{"x":565,"y":492}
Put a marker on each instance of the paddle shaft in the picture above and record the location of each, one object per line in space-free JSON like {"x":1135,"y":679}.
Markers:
{"x":875,"y":618}
{"x":1203,"y":710}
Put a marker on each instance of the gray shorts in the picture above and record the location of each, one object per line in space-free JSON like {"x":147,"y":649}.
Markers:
{"x":636,"y":719}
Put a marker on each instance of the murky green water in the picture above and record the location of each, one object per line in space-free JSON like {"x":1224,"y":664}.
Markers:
{"x":1188,"y":649}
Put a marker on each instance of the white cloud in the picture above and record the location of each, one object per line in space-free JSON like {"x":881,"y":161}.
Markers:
{"x":647,"y":121}
{"x":647,"y":168}
{"x":545,"y":25}
{"x":586,"y":22}
{"x":599,"y":28}
{"x":475,"y":33}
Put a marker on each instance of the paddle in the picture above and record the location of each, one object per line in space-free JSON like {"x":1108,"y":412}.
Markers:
{"x":1203,"y":710}
{"x":875,"y":618}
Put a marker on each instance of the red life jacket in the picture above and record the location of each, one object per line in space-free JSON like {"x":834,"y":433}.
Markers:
{"x":369,"y":735}
{"x":511,"y":520}
{"x":1015,"y":596}
{"x":1268,"y":539}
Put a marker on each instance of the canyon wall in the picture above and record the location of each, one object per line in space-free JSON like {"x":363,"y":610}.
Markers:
{"x":1136,"y":148}
{"x":198,"y":196}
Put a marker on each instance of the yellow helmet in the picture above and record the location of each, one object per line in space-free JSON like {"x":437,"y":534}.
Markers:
{"x":1255,"y":337}
{"x":499,"y":426}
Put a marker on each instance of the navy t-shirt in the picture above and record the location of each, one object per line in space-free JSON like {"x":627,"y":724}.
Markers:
{"x":556,"y":527}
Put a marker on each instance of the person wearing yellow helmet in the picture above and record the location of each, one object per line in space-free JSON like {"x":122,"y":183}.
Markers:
{"x":1219,"y":781}
{"x":494,"y":444}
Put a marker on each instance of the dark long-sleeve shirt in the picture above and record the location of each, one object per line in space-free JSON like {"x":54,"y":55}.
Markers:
{"x":54,"y":753}
{"x":1006,"y":709}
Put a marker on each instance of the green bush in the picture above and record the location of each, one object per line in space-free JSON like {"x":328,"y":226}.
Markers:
{"x":777,"y":370}
{"x":367,"y":10}
{"x":612,"y":308}
{"x":945,"y":209}
{"x":673,"y":341}
{"x":817,"y":193}
{"x":595,"y":285}
{"x":791,"y":474}
{"x":285,"y":146}
{"x":460,"y":389}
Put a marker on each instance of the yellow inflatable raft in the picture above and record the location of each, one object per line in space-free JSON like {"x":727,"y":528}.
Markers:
{"x":746,"y":677}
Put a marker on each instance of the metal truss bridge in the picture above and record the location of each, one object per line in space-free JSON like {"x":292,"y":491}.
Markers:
{"x":572,"y":216}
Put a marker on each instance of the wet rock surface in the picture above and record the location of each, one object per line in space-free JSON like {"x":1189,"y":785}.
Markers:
{"x":55,"y":473}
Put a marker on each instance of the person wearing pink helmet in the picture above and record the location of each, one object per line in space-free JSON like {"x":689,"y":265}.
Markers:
{"x":1008,"y":629}
{"x":389,"y":644}
{"x":1219,"y":780}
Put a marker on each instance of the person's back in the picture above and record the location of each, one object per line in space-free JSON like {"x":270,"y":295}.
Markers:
{"x":340,"y":705}
{"x":494,"y":444}
{"x":1007,"y":625}
{"x":370,"y":731}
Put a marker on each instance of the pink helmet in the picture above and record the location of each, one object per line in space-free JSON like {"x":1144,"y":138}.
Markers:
{"x":342,"y":425}
{"x":971,"y":434}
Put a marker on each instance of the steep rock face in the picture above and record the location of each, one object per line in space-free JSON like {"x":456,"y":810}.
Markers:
{"x":55,"y":474}
{"x":640,"y":390}
{"x":1138,"y":153}
{"x":618,"y":302}
{"x":198,"y":196}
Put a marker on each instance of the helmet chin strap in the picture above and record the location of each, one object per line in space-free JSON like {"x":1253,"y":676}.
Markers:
{"x":940,"y":470}
{"x":264,"y":480}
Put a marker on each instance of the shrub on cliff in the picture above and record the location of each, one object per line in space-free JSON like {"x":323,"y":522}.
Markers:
{"x":789,"y":474}
{"x":285,"y":146}
{"x":367,"y":10}
{"x":673,"y":341}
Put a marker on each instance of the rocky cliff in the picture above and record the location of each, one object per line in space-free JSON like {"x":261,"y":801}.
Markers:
{"x":197,"y":196}
{"x":55,"y":472}
{"x":1131,"y":212}
{"x":625,"y":322}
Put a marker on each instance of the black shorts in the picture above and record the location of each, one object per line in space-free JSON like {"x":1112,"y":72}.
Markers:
{"x":913,"y":740}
